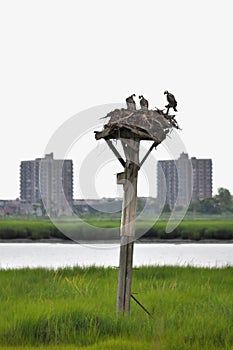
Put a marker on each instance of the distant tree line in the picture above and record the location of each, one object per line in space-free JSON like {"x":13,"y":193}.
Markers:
{"x":219,"y":204}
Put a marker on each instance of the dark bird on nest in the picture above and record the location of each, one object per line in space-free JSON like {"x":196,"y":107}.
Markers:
{"x":131,"y":105}
{"x":171,"y":101}
{"x":143,"y":103}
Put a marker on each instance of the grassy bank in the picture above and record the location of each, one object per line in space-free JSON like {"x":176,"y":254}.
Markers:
{"x":97,"y":229}
{"x":28,"y":229}
{"x":68,"y":309}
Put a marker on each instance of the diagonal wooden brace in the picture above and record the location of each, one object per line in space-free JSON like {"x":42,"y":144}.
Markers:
{"x":115,"y":151}
{"x":155,"y":144}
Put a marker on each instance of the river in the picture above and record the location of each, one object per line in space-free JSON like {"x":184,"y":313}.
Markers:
{"x":55,"y":255}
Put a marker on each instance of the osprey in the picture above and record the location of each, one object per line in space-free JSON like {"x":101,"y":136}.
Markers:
{"x":171,"y":101}
{"x":131,"y":105}
{"x":143,"y":103}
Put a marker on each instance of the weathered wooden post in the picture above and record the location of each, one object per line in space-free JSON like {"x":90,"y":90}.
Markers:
{"x":130,"y":127}
{"x":131,"y":149}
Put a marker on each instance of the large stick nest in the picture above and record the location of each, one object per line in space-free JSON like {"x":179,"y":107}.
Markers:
{"x":143,"y":124}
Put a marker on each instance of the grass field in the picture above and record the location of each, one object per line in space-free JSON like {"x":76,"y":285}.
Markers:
{"x":74,"y":308}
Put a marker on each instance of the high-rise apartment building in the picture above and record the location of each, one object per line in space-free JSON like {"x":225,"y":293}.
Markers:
{"x":182,"y":180}
{"x":202,"y":178}
{"x":167,"y":183}
{"x":49,"y":180}
{"x":29,"y":181}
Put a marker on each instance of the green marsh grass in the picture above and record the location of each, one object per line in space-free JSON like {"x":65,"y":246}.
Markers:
{"x":102,"y":229}
{"x":74,"y":308}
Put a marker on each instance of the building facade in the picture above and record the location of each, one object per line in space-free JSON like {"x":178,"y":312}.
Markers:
{"x":167,"y":183}
{"x":29,"y":181}
{"x":202,"y":178}
{"x":50,"y":181}
{"x":183,"y":180}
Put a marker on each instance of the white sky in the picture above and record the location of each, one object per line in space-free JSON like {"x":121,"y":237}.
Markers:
{"x":61,"y":57}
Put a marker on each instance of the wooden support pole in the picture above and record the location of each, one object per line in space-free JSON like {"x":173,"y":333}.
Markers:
{"x":131,"y":149}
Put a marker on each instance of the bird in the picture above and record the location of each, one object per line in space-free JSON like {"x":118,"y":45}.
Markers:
{"x":171,"y":101}
{"x":131,"y":105}
{"x":143,"y":103}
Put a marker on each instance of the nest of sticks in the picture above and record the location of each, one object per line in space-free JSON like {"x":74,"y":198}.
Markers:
{"x":143,"y":124}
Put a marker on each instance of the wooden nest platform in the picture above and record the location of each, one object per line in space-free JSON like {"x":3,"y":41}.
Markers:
{"x":141,"y":124}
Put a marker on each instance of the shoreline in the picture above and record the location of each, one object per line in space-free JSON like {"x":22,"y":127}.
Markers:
{"x":139,"y":241}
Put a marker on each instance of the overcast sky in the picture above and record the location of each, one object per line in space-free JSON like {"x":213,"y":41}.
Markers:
{"x":61,"y":57}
